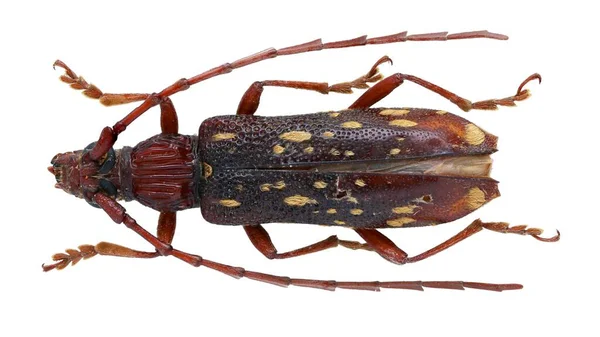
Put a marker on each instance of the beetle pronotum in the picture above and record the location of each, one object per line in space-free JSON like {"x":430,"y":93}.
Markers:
{"x":363,"y":168}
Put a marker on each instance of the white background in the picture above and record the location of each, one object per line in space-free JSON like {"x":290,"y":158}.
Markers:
{"x":545,"y":166}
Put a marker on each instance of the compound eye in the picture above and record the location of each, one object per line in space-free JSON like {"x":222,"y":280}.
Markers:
{"x":104,"y":186}
{"x":108,"y":188}
{"x":107,"y":162}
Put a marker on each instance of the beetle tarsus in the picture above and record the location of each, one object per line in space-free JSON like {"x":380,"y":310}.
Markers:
{"x":554,"y":238}
{"x":374,"y":70}
{"x":71,"y":257}
{"x":92,"y":91}
{"x":531,"y":77}
{"x":503,"y":227}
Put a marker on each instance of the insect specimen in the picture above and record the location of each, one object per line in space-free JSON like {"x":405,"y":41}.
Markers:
{"x":363,"y":168}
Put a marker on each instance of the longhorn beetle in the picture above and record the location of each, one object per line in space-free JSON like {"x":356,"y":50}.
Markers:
{"x":362,"y":168}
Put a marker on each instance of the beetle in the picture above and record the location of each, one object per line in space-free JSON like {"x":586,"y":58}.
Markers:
{"x":363,"y":168}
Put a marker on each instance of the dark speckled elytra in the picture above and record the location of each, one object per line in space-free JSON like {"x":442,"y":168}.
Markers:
{"x":247,"y":154}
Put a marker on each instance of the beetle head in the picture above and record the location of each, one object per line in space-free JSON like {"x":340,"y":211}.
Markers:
{"x":80,"y":176}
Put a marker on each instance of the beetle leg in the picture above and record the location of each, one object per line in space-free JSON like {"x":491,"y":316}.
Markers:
{"x":262,"y":241}
{"x":110,"y":249}
{"x":118,"y":215}
{"x":92,"y":91}
{"x":382,"y":245}
{"x":251,"y":98}
{"x":85,"y":252}
{"x":168,"y":115}
{"x":166,"y":226}
{"x":108,"y":137}
{"x":377,"y":92}
{"x":389,"y":251}
{"x":386,"y":86}
{"x":165,"y":233}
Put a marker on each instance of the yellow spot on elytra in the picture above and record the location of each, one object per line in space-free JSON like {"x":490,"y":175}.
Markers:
{"x":339,"y":222}
{"x":400,"y":139}
{"x":320,"y":184}
{"x":356,"y":211}
{"x":403,"y":123}
{"x":334,"y":114}
{"x":328,"y":134}
{"x":474,"y":135}
{"x":404,"y":209}
{"x":208,"y":170}
{"x":296,"y":136}
{"x":334,"y":152}
{"x":400,"y":222}
{"x":394,"y":112}
{"x":299,"y":200}
{"x":267,"y":187}
{"x":316,"y":212}
{"x":441,"y":112}
{"x":229,"y":203}
{"x":278,"y":149}
{"x":475,"y":198}
{"x":394,"y":152}
{"x":223,"y":136}
{"x":331,"y":211}
{"x":360,"y":183}
{"x":309,"y":150}
{"x":352,"y":200}
{"x":348,"y":153}
{"x":351,"y":125}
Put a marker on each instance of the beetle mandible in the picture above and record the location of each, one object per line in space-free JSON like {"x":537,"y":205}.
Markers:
{"x":363,"y":168}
